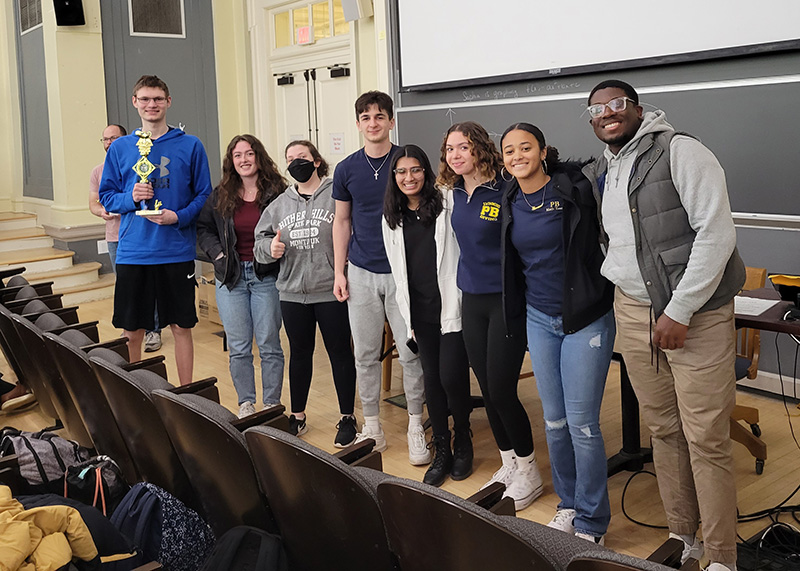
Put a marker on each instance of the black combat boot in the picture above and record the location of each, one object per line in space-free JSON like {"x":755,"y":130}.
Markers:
{"x":462,"y":455}
{"x":442,"y":461}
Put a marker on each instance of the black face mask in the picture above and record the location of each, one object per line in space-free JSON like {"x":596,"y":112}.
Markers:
{"x":301,"y":170}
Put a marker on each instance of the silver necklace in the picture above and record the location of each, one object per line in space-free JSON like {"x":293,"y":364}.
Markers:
{"x":535,"y":208}
{"x":380,"y":167}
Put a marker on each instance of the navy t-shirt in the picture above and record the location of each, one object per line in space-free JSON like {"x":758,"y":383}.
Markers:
{"x":537,"y":235}
{"x":354,"y":182}
{"x":476,"y":222}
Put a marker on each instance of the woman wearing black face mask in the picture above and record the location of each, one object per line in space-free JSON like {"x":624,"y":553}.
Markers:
{"x":296,"y":230}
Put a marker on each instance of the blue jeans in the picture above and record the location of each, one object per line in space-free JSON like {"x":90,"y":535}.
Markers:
{"x":252,"y":307}
{"x":571,"y":375}
{"x":112,"y":254}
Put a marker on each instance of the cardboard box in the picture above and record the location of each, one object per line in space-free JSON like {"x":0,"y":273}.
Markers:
{"x":206,"y":296}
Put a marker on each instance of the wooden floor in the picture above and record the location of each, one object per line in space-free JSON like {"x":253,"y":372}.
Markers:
{"x":755,"y":492}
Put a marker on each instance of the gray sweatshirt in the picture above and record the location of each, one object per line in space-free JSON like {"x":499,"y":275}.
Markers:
{"x":306,"y":227}
{"x":700,"y":181}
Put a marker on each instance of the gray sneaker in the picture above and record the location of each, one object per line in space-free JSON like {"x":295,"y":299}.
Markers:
{"x":246,"y":409}
{"x":152,"y":341}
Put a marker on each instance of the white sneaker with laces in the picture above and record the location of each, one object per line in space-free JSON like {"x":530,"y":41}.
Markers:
{"x":418,"y":452}
{"x":694,"y":550}
{"x":377,"y":435}
{"x":562,"y":521}
{"x":246,"y":409}
{"x":526,"y":485}
{"x":593,"y":538}
{"x":504,"y":475}
{"x":719,"y":567}
{"x":152,"y":341}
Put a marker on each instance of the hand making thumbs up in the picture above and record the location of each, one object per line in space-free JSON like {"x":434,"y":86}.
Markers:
{"x":276,"y":247}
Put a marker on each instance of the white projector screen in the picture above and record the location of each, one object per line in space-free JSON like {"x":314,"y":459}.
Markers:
{"x":446,"y":43}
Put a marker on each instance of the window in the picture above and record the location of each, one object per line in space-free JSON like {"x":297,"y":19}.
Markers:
{"x":157,"y":18}
{"x":30,"y":14}
{"x":317,"y":14}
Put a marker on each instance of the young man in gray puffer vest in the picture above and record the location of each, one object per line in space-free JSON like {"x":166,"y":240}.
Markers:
{"x":672,"y":255}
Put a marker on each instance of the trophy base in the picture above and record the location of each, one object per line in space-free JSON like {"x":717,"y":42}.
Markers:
{"x":149,"y":212}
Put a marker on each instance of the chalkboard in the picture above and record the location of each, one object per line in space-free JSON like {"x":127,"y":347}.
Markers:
{"x":746,"y":110}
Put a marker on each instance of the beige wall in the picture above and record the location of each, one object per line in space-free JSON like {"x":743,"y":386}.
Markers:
{"x":10,"y":133}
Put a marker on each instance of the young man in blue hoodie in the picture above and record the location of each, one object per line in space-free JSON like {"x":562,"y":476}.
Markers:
{"x":155,"y":255}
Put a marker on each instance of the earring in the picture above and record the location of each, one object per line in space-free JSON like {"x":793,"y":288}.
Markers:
{"x":503,"y":176}
{"x":544,"y":167}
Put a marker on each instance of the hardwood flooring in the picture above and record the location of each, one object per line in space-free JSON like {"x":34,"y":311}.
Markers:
{"x":642,"y":501}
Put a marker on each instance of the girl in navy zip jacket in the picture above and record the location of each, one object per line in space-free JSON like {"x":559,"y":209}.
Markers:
{"x":470,"y":166}
{"x":552,"y":259}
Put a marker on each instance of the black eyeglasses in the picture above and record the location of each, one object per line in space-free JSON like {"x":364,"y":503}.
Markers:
{"x":109,"y":139}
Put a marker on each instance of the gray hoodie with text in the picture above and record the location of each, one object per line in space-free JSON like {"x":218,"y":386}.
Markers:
{"x":306,"y":228}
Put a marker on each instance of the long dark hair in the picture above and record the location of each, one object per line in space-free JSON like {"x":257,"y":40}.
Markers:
{"x":551,"y":159}
{"x":270,"y":182}
{"x":430,"y":199}
{"x":487,"y":158}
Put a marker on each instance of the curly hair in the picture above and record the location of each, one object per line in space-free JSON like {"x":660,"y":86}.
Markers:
{"x":430,"y":199}
{"x":488,"y":160}
{"x":270,"y":182}
{"x":551,"y":159}
{"x":323,"y":168}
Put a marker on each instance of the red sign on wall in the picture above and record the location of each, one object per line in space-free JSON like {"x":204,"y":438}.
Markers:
{"x":305,"y":35}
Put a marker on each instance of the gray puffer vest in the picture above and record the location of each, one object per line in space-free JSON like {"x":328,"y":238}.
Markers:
{"x":664,"y":237}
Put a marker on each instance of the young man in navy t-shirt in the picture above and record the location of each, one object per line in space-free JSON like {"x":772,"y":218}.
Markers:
{"x":359,"y":184}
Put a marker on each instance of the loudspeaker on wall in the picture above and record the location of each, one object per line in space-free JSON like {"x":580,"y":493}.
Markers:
{"x":69,"y":12}
{"x":356,"y":9}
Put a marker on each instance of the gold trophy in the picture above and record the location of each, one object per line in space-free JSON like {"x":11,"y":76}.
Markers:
{"x":143,"y":168}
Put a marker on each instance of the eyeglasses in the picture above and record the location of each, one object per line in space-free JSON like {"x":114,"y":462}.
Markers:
{"x":109,"y":139}
{"x":616,"y":105}
{"x":156,"y":100}
{"x":415,"y":171}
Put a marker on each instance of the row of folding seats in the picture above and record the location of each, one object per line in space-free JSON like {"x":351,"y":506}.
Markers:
{"x":332,"y":512}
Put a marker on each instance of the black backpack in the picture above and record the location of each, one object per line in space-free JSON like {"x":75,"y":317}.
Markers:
{"x":163,"y":528}
{"x":246,"y":548}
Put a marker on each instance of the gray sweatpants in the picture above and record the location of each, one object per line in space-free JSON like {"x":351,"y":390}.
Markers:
{"x":372,"y":296}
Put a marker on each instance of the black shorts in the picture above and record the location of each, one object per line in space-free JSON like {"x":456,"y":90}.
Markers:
{"x":140,"y":288}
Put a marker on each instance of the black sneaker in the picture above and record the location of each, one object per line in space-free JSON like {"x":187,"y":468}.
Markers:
{"x":297,"y":426}
{"x":346,"y":432}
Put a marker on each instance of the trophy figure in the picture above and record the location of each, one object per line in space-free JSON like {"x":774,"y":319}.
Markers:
{"x":143,"y":168}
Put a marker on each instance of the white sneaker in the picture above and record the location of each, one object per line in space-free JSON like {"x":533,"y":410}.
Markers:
{"x":246,"y":409}
{"x":562,"y":521}
{"x":378,"y":436}
{"x":526,"y":486}
{"x":593,"y":538}
{"x":504,"y":475}
{"x":694,"y":551}
{"x":719,"y":567}
{"x":418,"y":452}
{"x":152,"y":341}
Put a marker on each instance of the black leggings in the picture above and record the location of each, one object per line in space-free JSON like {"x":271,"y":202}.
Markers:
{"x":445,"y":370}
{"x":497,"y":360}
{"x":300,"y":321}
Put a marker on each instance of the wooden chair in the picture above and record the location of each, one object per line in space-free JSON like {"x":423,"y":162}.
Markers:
{"x":748,"y":349}
{"x":41,"y":371}
{"x":129,"y":397}
{"x":208,"y":440}
{"x":316,"y":495}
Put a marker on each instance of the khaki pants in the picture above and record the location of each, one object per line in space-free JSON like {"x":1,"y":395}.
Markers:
{"x":686,"y":402}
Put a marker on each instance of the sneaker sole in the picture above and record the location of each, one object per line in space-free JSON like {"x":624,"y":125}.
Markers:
{"x":420,"y":460}
{"x":338,"y":445}
{"x":151,"y":349}
{"x":523,"y":503}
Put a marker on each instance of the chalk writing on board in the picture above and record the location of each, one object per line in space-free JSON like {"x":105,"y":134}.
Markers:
{"x":512,"y":93}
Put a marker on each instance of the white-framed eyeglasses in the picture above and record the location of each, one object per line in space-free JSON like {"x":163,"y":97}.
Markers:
{"x":415,"y":171}
{"x":616,"y":105}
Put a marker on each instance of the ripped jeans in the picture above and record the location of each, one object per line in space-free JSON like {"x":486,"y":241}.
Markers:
{"x":571,"y":375}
